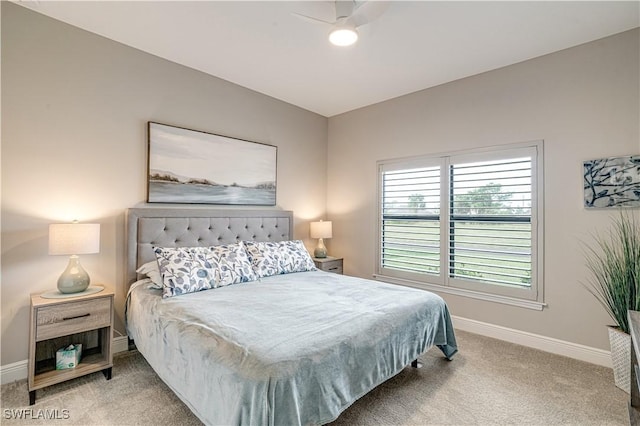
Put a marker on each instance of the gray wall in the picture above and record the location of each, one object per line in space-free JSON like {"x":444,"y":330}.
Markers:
{"x":582,"y":101}
{"x":74,"y":114}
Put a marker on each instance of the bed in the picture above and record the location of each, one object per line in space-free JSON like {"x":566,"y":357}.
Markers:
{"x":285,"y":349}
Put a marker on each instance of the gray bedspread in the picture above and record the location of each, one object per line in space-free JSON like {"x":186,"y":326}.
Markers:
{"x":285,"y":350}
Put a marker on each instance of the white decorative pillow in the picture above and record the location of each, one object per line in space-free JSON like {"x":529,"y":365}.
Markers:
{"x":185,"y":269}
{"x":283,"y":257}
{"x":150,"y":269}
{"x":233,"y":264}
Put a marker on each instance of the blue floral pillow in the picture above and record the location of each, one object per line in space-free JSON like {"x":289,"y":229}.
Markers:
{"x":283,"y":257}
{"x":233,"y":263}
{"x":185,"y":269}
{"x":190,"y":269}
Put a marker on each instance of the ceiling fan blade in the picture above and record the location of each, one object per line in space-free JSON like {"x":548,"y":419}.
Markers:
{"x":368,"y":12}
{"x":314,"y":20}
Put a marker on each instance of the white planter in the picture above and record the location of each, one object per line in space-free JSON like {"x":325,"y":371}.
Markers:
{"x":620,"y":357}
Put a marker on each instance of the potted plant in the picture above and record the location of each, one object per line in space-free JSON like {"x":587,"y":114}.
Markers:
{"x":614,"y":266}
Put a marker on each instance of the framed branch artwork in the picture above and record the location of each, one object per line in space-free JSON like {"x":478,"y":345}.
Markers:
{"x":612,"y":182}
{"x":189,"y":166}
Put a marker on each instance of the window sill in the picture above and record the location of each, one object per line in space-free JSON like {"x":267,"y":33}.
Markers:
{"x":528,"y":304}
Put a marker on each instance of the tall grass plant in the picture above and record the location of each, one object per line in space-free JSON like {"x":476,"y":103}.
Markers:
{"x":614,"y":265}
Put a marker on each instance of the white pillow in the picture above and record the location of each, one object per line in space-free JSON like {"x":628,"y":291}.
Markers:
{"x":151,"y":270}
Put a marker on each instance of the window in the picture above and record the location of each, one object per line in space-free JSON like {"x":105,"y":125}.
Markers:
{"x":467,"y":223}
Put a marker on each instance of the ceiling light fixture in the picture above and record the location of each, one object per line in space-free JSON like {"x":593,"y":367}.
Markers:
{"x":343,"y":35}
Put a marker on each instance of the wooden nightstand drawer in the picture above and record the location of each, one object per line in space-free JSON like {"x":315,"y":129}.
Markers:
{"x":332,"y":266}
{"x":329,"y":264}
{"x":72,"y":317}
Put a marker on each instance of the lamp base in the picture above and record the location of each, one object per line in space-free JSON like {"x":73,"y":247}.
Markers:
{"x":74,"y":279}
{"x":320,"y":251}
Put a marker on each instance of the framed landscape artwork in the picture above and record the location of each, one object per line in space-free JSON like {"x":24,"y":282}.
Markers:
{"x":612,"y":182}
{"x":188,"y":166}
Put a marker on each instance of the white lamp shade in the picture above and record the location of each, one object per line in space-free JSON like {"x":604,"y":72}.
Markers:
{"x":320,"y":229}
{"x":74,"y":238}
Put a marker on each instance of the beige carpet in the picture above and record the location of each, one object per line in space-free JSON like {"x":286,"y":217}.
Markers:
{"x":489,"y":382}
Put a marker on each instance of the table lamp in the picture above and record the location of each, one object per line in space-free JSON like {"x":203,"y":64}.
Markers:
{"x":74,"y":239}
{"x":320,"y":230}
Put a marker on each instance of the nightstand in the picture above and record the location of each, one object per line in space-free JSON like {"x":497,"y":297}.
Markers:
{"x":329,"y":264}
{"x":57,"y":323}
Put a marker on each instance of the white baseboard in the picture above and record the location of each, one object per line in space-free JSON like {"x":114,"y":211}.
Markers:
{"x":120,"y":344}
{"x":13,"y":372}
{"x":536,"y":341}
{"x":19,"y":370}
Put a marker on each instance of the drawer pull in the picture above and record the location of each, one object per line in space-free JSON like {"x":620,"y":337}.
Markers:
{"x":333,"y":269}
{"x":77,"y":316}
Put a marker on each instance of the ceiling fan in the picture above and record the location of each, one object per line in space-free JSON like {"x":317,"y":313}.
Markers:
{"x":350,"y":15}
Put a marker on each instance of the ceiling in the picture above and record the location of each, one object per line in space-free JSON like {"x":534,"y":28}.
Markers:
{"x":412,"y":46}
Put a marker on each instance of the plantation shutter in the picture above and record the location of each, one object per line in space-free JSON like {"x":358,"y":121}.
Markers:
{"x":468,"y":223}
{"x":490,"y":226}
{"x":410,"y":220}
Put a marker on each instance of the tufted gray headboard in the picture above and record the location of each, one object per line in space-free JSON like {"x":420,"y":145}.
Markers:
{"x":189,"y":227}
